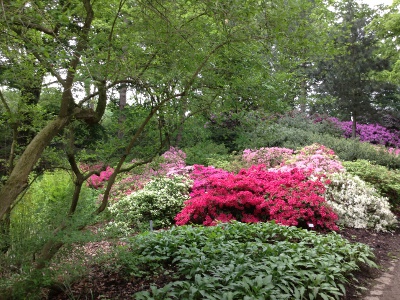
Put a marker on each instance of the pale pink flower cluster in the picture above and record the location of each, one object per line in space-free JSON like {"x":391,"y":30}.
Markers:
{"x":172,"y":164}
{"x":394,"y":151}
{"x":270,"y":157}
{"x":315,"y":158}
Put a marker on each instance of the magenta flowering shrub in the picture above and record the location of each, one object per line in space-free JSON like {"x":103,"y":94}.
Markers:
{"x":97,"y":181}
{"x":257,"y":195}
{"x":372,"y":133}
{"x":315,"y":158}
{"x":201,"y":175}
{"x":271,"y":157}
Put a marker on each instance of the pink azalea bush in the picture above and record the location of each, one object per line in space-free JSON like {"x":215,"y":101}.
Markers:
{"x":394,"y":151}
{"x":201,"y":175}
{"x":271,"y":157}
{"x":171,"y":163}
{"x":97,"y":181}
{"x":257,"y":195}
{"x":315,"y":158}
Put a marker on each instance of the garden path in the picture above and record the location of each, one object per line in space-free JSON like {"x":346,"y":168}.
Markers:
{"x":387,"y":286}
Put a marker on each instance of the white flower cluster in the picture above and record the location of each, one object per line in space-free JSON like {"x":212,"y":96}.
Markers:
{"x":159,"y":201}
{"x":358,"y":204}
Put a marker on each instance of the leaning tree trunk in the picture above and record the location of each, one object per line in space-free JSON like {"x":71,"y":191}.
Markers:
{"x":18,"y":179}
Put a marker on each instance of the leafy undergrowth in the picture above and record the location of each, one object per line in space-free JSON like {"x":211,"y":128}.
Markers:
{"x":232,"y":261}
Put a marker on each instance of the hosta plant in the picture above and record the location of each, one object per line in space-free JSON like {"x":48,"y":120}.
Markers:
{"x":358,"y":204}
{"x":242,"y":261}
{"x":159,"y":201}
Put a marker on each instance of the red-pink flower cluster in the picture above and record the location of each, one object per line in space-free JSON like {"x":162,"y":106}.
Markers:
{"x":257,"y":195}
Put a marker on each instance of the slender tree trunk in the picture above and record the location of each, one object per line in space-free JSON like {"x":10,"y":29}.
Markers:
{"x":122,"y":104}
{"x":354,"y":126}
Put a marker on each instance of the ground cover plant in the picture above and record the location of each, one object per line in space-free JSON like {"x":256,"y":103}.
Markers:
{"x":242,"y":261}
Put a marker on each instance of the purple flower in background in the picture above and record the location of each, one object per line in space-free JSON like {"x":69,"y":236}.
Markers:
{"x":372,"y":133}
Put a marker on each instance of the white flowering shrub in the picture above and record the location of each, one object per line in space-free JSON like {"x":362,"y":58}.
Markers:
{"x":160,"y":200}
{"x":358,"y":204}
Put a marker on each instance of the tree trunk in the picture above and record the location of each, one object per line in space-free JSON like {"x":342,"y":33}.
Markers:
{"x":122,"y":104}
{"x":354,"y":126}
{"x":5,"y":232}
{"x":18,"y":179}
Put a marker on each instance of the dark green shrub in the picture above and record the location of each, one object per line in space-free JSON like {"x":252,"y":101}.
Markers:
{"x":200,"y":153}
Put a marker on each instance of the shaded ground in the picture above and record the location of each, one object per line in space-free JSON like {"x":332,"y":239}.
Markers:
{"x":98,"y":284}
{"x":386,"y":247}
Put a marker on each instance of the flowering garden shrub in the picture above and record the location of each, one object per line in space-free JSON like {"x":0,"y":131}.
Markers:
{"x":160,"y":200}
{"x":385,"y":181}
{"x":256,"y":195}
{"x":201,"y":176}
{"x":372,"y":133}
{"x":171,"y":163}
{"x":97,"y":181}
{"x":315,"y":158}
{"x":358,"y":204}
{"x":394,"y":151}
{"x":271,"y":157}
